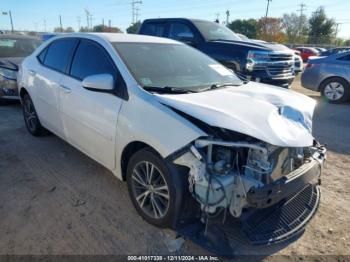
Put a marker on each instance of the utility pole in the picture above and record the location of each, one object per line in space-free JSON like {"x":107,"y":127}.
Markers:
{"x":78,"y":20}
{"x":267,"y":12}
{"x":11,"y":21}
{"x":227,"y":17}
{"x":10,"y":15}
{"x":301,"y":10}
{"x":267,"y":9}
{"x":137,"y":14}
{"x":109,"y":23}
{"x":91,"y":22}
{"x":133,"y":7}
{"x":87,"y":19}
{"x":61,"y":24}
{"x":44,"y":25}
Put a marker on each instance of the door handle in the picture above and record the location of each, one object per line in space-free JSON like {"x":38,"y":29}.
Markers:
{"x":32,"y":72}
{"x":66,"y":89}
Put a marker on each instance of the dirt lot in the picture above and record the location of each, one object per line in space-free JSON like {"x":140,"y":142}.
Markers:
{"x":55,"y":200}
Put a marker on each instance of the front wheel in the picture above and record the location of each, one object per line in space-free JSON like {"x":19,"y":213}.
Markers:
{"x":154,"y":187}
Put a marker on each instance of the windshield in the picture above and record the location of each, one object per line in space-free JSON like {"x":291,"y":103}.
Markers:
{"x":173,"y":65}
{"x":15,"y":47}
{"x":214,"y":31}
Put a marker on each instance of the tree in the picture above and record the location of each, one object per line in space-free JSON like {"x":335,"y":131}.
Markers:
{"x":271,"y":29}
{"x":106,"y":29}
{"x":247,"y":27}
{"x":295,"y":27}
{"x":322,"y":29}
{"x":134,"y":28}
{"x":69,"y":29}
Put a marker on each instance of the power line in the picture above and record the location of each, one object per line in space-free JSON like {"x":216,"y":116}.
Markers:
{"x":267,"y":12}
{"x":133,"y":9}
{"x":301,"y":10}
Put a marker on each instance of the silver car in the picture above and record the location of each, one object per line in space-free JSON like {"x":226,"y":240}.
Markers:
{"x":330,"y":76}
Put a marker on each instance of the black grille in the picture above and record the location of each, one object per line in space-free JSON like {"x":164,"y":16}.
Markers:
{"x":280,"y":69}
{"x":283,"y":220}
{"x":280,"y":57}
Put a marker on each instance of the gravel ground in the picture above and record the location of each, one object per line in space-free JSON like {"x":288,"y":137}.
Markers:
{"x":55,"y":200}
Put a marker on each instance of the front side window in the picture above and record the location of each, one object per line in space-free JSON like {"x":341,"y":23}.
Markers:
{"x":90,"y":59}
{"x":214,"y":31}
{"x":173,"y":65}
{"x":17,"y":47}
{"x":58,"y":54}
{"x":179,"y":31}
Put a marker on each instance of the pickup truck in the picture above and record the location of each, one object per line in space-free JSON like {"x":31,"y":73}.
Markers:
{"x":258,"y":61}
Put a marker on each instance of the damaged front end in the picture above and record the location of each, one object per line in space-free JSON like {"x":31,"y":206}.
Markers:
{"x":255,"y":182}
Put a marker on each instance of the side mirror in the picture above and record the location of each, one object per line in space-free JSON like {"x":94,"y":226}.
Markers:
{"x":100,"y":82}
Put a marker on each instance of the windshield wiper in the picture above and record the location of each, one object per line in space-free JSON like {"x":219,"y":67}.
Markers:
{"x":168,"y":89}
{"x":216,"y":86}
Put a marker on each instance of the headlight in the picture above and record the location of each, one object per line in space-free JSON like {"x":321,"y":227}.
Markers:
{"x":258,"y":55}
{"x":8,"y":74}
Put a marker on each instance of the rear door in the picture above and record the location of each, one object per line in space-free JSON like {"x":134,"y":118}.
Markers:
{"x":153,"y":29}
{"x":46,"y":82}
{"x":90,"y":117}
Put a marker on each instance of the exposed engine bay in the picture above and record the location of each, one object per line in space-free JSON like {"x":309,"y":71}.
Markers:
{"x":247,"y":174}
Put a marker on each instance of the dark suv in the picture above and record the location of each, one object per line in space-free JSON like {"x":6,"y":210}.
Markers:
{"x":259,"y":61}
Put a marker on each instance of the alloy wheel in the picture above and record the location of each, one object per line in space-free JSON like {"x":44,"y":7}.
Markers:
{"x":150,"y":189}
{"x":30,"y":114}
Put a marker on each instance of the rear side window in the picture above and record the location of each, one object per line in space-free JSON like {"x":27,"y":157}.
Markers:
{"x":58,"y":54}
{"x":155,"y":29}
{"x":91,"y":59}
{"x":178,"y":31}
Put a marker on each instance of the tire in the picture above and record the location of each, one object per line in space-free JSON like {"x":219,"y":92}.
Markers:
{"x":31,"y":118}
{"x":160,"y":207}
{"x":336,"y":90}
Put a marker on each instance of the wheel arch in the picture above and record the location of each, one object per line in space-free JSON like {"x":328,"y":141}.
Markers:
{"x":320,"y":86}
{"x":128,"y":152}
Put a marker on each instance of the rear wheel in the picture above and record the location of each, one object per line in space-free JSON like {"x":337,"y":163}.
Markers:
{"x":154,"y":187}
{"x":336,"y":90}
{"x":31,"y":118}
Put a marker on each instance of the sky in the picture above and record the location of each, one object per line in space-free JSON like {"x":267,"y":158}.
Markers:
{"x":39,"y":15}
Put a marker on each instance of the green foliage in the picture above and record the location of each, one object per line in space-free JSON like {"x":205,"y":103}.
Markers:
{"x":69,"y":29}
{"x":245,"y":27}
{"x":134,"y":28}
{"x":107,"y":29}
{"x":322,"y":29}
{"x":295,"y":27}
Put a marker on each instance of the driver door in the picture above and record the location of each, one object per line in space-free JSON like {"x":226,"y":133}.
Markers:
{"x":90,"y":117}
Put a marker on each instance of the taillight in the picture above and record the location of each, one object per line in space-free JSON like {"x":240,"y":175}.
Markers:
{"x":312,"y":65}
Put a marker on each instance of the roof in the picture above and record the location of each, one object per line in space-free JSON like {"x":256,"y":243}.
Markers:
{"x":178,"y":18}
{"x":121,"y":37}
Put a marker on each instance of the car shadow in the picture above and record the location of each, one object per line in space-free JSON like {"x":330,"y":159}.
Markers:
{"x":331,"y":125}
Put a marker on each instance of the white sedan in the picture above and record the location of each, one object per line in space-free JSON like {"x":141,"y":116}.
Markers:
{"x":189,"y":137}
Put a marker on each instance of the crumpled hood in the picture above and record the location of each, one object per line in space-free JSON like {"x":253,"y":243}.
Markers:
{"x":277,"y":116}
{"x":11,"y":63}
